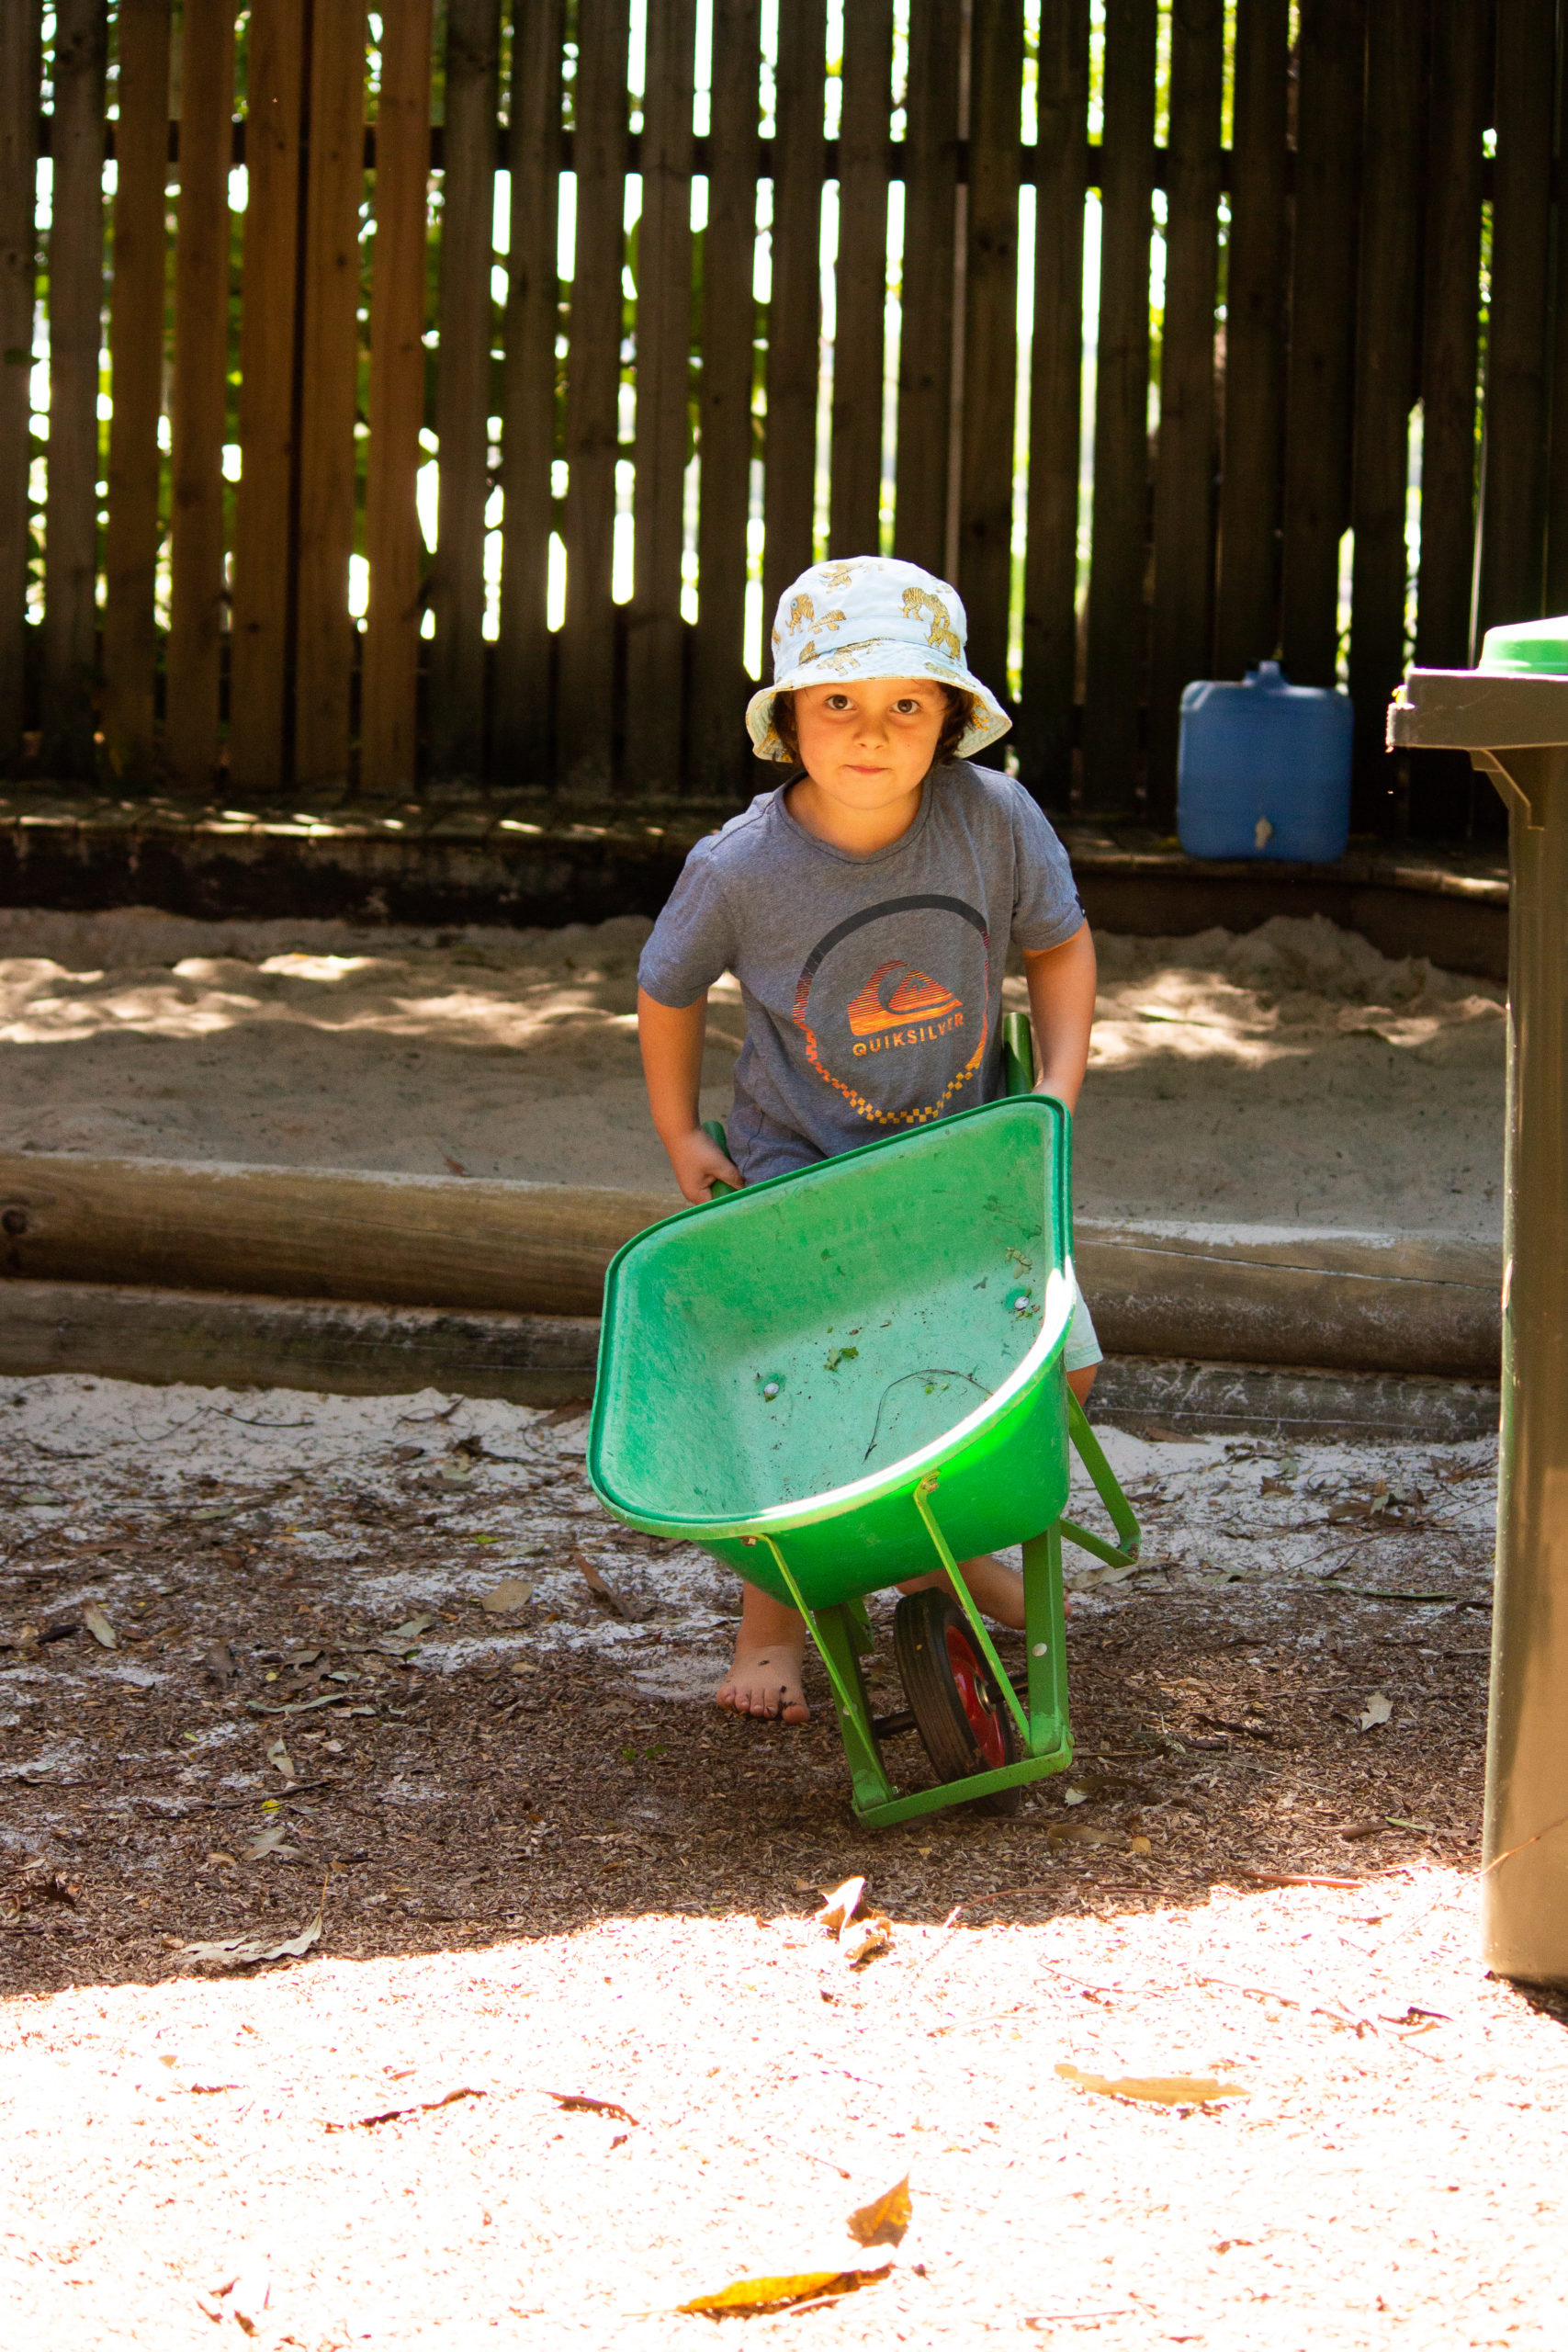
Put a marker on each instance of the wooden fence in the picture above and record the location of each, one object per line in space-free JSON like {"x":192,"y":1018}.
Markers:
{"x":1313,"y":219}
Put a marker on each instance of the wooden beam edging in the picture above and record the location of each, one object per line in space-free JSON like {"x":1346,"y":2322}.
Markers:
{"x":1249,"y":1296}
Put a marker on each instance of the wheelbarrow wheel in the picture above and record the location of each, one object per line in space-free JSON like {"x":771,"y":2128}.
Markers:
{"x":964,"y":1723}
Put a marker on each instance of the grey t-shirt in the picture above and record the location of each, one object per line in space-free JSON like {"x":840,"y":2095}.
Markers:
{"x":871,"y":985}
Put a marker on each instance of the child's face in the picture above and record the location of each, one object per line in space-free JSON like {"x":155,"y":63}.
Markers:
{"x":871,"y":742}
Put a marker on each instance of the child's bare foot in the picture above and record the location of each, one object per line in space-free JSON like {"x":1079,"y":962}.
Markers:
{"x":764,"y":1675}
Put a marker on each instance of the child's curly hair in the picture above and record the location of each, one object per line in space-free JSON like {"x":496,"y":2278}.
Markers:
{"x":955,"y":725}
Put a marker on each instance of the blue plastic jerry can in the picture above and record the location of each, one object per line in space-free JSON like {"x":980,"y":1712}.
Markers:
{"x":1264,"y":769}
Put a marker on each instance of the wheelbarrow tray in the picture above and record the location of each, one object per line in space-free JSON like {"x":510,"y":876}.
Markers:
{"x":787,"y":1365}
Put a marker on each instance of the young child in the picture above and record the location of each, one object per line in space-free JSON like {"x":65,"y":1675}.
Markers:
{"x":866,"y":906}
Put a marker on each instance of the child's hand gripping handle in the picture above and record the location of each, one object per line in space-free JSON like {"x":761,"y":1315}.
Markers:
{"x":715,"y":1128}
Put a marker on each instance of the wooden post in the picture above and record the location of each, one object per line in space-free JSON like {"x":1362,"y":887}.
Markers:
{"x":199,"y":402}
{"x":991,"y":340}
{"x":720,"y":750}
{"x":1055,"y":397}
{"x":258,"y":644}
{"x":1247,"y":614}
{"x":76,"y":329}
{"x":1181,"y":624}
{"x":463,"y":389}
{"x":794,"y":307}
{"x":522,"y":736}
{"x":854,"y":525}
{"x":389,"y":750}
{"x":1118,"y":619}
{"x":655,"y":647}
{"x":136,"y":355}
{"x":1513,"y":510}
{"x":330,"y":389}
{"x":1387,"y":376}
{"x":19,"y":74}
{"x":926,"y":282}
{"x":586,"y":731}
{"x":1332,"y":56}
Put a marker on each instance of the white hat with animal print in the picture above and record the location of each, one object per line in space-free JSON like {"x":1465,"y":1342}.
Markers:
{"x":871,"y":616}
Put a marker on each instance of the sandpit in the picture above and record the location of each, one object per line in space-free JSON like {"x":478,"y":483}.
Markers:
{"x":1289,"y":1077}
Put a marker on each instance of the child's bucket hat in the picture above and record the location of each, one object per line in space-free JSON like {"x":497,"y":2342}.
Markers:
{"x":871,"y":616}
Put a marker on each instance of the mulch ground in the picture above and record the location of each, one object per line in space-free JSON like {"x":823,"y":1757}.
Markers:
{"x":541,"y":1866}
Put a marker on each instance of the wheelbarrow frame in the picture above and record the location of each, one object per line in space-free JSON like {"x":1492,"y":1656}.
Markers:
{"x":1038,"y":1702}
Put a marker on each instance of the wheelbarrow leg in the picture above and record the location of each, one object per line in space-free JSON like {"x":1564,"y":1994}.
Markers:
{"x":842,"y":1634}
{"x":1045,"y":1633}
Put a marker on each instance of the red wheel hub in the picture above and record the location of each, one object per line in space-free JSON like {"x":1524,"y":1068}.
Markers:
{"x":969,"y":1678}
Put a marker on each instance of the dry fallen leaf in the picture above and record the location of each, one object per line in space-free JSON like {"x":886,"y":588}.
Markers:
{"x":1140,"y":1845}
{"x":1160,"y":2090}
{"x":269,"y":1841}
{"x":98,"y":1625}
{"x":575,"y":2101}
{"x":1377,"y":1710}
{"x":772,"y":2294}
{"x":245,"y":1952}
{"x":598,"y":1584}
{"x":399,"y":2114}
{"x":885,"y":2219}
{"x":865,"y":1938}
{"x":502,"y":1599}
{"x":839,"y":1905}
{"x":218,"y":1662}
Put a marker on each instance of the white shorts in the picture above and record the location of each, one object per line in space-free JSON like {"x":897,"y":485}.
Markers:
{"x":1083,"y":1344}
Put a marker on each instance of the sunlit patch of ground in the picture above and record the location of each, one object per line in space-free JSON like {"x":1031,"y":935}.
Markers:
{"x":549,"y":1868}
{"x":1289,"y":1076}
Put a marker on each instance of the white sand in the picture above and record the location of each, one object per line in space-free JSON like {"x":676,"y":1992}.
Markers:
{"x":1289,"y":1077}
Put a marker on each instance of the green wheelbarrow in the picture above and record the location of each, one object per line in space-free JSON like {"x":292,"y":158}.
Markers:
{"x":852,"y":1376}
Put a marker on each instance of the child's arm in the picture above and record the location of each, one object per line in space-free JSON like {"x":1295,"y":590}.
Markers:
{"x":671,"y":1041}
{"x":1060,"y":1004}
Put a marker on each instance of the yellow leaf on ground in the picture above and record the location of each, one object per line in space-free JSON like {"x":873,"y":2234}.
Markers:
{"x":773,"y":2294}
{"x":1161,"y":2090}
{"x":885,"y":2219}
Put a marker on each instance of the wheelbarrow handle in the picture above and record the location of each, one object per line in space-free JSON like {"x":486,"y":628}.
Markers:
{"x":714,"y":1128}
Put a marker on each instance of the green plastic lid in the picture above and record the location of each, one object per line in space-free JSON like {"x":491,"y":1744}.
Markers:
{"x":1523,"y":649}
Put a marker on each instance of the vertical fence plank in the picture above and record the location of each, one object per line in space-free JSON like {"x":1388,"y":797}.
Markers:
{"x":586,"y":728}
{"x":258,"y":641}
{"x":330,"y":392}
{"x":20,"y":76}
{"x":1117,"y":619}
{"x":1181,"y":622}
{"x":136,"y":355}
{"x":990,"y":338}
{"x":861,"y":281}
{"x":75,"y":303}
{"x":655,"y":648}
{"x":1443,"y":792}
{"x":198,"y":396}
{"x":389,"y":748}
{"x":926,"y":283}
{"x":1450,"y":333}
{"x":1513,"y":500}
{"x":462,"y":389}
{"x":1247,"y":599}
{"x":1323,"y":329}
{"x":1386,"y":379}
{"x":1556,"y":596}
{"x":1055,"y":398}
{"x":720,"y":751}
{"x":794,"y":309}
{"x":521,"y":745}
